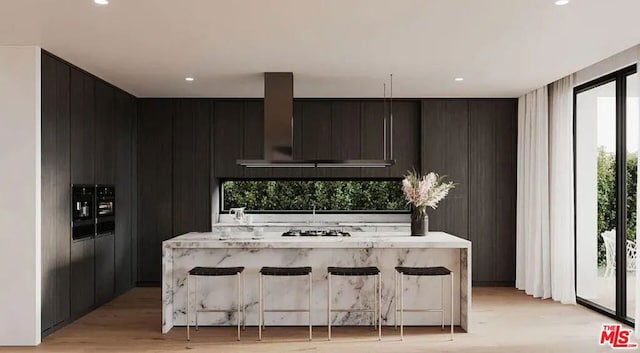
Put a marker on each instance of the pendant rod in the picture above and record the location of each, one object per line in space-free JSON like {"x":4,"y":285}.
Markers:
{"x":391,"y":116}
{"x":384,"y":121}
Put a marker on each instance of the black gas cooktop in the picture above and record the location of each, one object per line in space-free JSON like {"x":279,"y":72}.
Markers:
{"x":315,"y":233}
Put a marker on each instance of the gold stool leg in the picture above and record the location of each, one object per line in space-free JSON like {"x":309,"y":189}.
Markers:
{"x":188,"y":301}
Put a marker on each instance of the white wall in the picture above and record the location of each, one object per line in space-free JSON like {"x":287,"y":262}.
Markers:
{"x":20,"y":195}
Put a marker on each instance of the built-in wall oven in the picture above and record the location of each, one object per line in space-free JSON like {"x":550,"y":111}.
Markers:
{"x":93,"y":209}
{"x":83,"y":211}
{"x":105,"y":209}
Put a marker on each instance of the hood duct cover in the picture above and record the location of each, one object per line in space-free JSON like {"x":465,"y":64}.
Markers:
{"x":278,"y":116}
{"x":278,"y":131}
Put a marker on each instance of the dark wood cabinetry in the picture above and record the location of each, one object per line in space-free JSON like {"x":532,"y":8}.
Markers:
{"x":492,"y":168}
{"x":104,"y":268}
{"x":82,"y":110}
{"x":155,"y":163}
{"x":492,"y":178}
{"x":315,"y":119}
{"x":56,"y":210}
{"x":253,"y":136}
{"x":191,"y":168}
{"x":83,"y":131}
{"x":82,"y":277}
{"x":482,"y":202}
{"x":125,"y":116}
{"x":406,"y":138}
{"x":345,"y":136}
{"x":445,"y":150}
{"x":228,"y":138}
{"x":105,"y":151}
{"x":86,"y":139}
{"x":372,"y":137}
{"x":174,"y":171}
{"x":322,"y":129}
{"x":471,"y":141}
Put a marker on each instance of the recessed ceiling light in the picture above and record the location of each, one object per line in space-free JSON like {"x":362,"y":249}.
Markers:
{"x":189,"y":79}
{"x":459,"y":79}
{"x":561,"y":2}
{"x":101,"y":2}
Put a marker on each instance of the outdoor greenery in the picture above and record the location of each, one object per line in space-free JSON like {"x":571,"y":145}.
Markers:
{"x":607,"y":196}
{"x":283,"y":195}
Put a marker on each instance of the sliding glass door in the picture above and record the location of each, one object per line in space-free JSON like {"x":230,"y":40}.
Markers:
{"x":595,"y":194}
{"x":632,"y":130}
{"x":606,"y":146}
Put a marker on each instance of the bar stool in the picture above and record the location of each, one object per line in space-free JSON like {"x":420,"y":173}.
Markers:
{"x":279,"y":272}
{"x":357,"y":271}
{"x":421,"y":271}
{"x":217,"y":272}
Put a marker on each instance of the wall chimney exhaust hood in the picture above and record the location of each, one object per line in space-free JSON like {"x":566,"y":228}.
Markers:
{"x":278,"y":132}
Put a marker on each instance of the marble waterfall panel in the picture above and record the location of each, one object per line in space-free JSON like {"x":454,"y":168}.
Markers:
{"x":292,"y":292}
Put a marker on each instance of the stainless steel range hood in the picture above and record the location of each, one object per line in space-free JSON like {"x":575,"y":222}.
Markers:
{"x":278,"y":132}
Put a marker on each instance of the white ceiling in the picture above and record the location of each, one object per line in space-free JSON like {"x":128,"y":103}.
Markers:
{"x":335,"y":48}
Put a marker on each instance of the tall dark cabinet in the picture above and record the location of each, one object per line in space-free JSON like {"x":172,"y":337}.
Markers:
{"x":155,"y":173}
{"x":191,"y":166}
{"x":125,"y":160}
{"x":174,"y":172}
{"x":83,"y":130}
{"x":445,"y":150}
{"x":492,"y":184}
{"x":56,"y":211}
{"x":86,"y":139}
{"x":473,"y":142}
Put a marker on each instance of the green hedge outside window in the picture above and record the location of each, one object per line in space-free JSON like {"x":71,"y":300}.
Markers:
{"x":293,"y":195}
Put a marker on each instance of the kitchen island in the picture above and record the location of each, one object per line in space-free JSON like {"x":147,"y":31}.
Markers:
{"x":382,"y":249}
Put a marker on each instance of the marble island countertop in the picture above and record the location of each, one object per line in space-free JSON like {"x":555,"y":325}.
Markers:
{"x":357,"y":240}
{"x":384,"y":249}
{"x":313,"y":224}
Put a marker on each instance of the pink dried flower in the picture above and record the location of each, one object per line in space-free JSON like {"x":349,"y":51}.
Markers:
{"x":425,"y":191}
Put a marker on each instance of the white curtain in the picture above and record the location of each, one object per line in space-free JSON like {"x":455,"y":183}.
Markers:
{"x":545,"y":230}
{"x":561,"y":205}
{"x":637,"y":298}
{"x":533,"y":270}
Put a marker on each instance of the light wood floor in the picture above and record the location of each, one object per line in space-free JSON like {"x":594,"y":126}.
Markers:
{"x":505,"y":319}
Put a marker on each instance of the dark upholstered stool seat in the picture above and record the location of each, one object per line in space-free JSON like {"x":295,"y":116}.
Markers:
{"x":439,"y":271}
{"x":353,"y":271}
{"x":199,"y":271}
{"x":215,"y":271}
{"x":285,"y":271}
{"x":300,"y":272}
{"x":424,"y":271}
